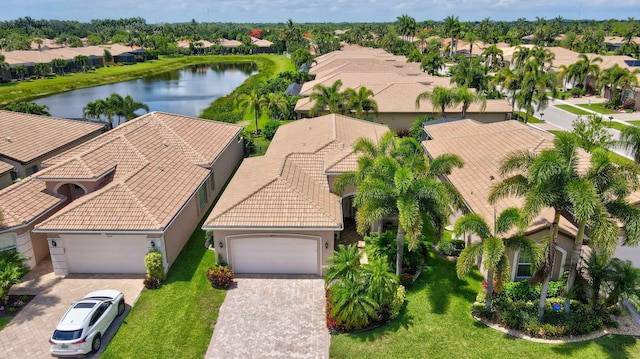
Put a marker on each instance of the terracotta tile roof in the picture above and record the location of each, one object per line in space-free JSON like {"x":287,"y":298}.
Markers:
{"x":155,"y":163}
{"x":482,"y":147}
{"x":287,"y":188}
{"x":25,"y":137}
{"x":24,"y":201}
{"x":5,"y":167}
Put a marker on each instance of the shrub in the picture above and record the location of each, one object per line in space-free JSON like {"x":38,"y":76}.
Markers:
{"x":577,"y":92}
{"x":397,"y":303}
{"x":270,"y":129}
{"x":452,"y":247}
{"x":629,"y":104}
{"x":152,"y":283}
{"x":155,"y":268}
{"x":220,"y":277}
{"x":12,"y":269}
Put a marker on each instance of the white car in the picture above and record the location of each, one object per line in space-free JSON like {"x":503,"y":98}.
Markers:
{"x":81,"y":328}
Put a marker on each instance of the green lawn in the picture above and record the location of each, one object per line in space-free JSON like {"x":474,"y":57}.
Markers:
{"x":4,"y":320}
{"x":597,"y":107}
{"x":634,"y":122}
{"x":614,"y":156}
{"x":436,"y":324}
{"x":615,"y":125}
{"x":177,"y":320}
{"x":521,"y":115}
{"x":572,"y":109}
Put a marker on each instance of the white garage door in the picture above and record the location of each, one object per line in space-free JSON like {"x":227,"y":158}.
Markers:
{"x":103,"y":254}
{"x":288,"y":255}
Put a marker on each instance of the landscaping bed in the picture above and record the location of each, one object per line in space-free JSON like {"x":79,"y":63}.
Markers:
{"x":11,"y":306}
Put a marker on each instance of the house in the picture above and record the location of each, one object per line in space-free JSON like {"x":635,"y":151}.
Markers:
{"x":482,"y":147}
{"x":278,"y":213}
{"x":101,"y":206}
{"x":28,"y":140}
{"x":395,"y":85}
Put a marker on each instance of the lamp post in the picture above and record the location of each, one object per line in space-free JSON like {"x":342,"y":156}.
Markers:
{"x":610,"y":119}
{"x":541,"y":116}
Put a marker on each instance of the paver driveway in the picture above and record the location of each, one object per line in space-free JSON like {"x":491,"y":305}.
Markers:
{"x":272,"y":317}
{"x":27,"y":335}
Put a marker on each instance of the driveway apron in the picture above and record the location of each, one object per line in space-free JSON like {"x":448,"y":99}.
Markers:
{"x":272,"y":316}
{"x":28,"y":333}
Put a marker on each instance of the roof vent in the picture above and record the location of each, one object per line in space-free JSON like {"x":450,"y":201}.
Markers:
{"x":160,"y":168}
{"x":8,"y":139}
{"x":164,"y":143}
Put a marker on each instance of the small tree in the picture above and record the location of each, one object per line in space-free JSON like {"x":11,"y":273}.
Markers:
{"x":270,"y":129}
{"x":12,"y":269}
{"x":591,"y":132}
{"x":108,"y":58}
{"x":155,"y":268}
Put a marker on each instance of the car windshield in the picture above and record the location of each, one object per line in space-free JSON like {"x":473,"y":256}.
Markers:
{"x":67,"y":334}
{"x":84,"y":305}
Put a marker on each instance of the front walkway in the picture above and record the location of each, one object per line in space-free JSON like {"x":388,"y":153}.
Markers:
{"x":28,"y":333}
{"x":272,"y":316}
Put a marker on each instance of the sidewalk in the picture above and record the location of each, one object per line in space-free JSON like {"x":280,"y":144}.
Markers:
{"x":620,"y":117}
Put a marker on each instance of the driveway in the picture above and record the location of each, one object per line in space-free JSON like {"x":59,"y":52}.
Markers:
{"x":272,"y":317}
{"x":27,"y":335}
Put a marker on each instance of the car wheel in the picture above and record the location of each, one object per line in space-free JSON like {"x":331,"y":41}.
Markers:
{"x":121,"y":307}
{"x":95,"y":344}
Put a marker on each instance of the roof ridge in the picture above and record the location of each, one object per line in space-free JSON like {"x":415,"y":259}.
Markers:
{"x":142,"y":206}
{"x":243,"y":200}
{"x":190,"y":152}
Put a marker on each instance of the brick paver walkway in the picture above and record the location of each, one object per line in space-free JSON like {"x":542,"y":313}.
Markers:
{"x":272,"y":317}
{"x":27,"y":335}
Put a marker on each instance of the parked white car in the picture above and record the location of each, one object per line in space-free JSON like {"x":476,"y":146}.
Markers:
{"x":81,"y":328}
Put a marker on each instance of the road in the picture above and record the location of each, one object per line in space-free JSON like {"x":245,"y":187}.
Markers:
{"x":564,"y":120}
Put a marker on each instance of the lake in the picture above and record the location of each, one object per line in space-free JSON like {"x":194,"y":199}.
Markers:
{"x":187,"y":91}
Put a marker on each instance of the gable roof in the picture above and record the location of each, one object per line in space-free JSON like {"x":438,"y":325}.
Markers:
{"x":482,"y":147}
{"x":288,"y":187}
{"x":25,"y":137}
{"x":25,"y":201}
{"x":147,"y":169}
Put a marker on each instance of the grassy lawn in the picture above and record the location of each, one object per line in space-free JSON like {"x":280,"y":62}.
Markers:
{"x":572,"y":109}
{"x":4,"y":320}
{"x":436,"y":323}
{"x":177,"y":320}
{"x":634,"y":122}
{"x":597,"y":107}
{"x":520,"y":115}
{"x":615,"y":125}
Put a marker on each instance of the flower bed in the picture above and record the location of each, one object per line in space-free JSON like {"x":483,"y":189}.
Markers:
{"x":13,"y":304}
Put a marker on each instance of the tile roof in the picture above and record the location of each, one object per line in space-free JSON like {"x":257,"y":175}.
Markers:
{"x":482,"y":147}
{"x":25,"y":137}
{"x":5,"y":167}
{"x":149,"y":166}
{"x":287,"y":187}
{"x":24,"y":201}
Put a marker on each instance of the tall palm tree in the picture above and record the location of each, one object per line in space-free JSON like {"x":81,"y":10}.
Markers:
{"x":327,"y":97}
{"x":510,"y":81}
{"x":361,"y":101}
{"x":451,"y":27}
{"x":130,"y":106}
{"x":466,"y":97}
{"x":492,"y":249}
{"x":275,"y":104}
{"x":441,"y":98}
{"x":395,"y":177}
{"x":493,"y":55}
{"x":534,"y":87}
{"x":251,"y":102}
{"x":520,"y":56}
{"x":547,"y":179}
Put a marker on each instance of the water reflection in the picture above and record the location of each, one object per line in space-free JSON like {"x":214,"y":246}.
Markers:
{"x":187,"y":91}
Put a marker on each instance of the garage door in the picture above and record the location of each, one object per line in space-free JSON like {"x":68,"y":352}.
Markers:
{"x":288,"y":255}
{"x":103,"y":254}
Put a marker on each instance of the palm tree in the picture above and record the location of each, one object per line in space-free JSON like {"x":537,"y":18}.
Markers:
{"x":345,"y":263}
{"x":81,"y":62}
{"x":492,"y":249}
{"x":509,"y":81}
{"x":327,"y":97}
{"x":59,"y":65}
{"x":20,"y":71}
{"x":466,"y":97}
{"x":352,"y":304}
{"x":407,"y":27}
{"x":432,"y":63}
{"x":251,"y":102}
{"x":493,"y":55}
{"x":597,"y":270}
{"x":381,"y":283}
{"x":42,"y":69}
{"x":520,"y":56}
{"x":534,"y":87}
{"x":275,"y":104}
{"x":130,"y":106}
{"x":630,"y":140}
{"x":624,"y":281}
{"x":466,"y":74}
{"x":394,"y":177}
{"x":361,"y":101}
{"x":441,"y":98}
{"x":451,"y":27}
{"x":547,"y":179}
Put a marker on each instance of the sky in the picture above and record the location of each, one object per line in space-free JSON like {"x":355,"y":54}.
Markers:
{"x":277,"y":11}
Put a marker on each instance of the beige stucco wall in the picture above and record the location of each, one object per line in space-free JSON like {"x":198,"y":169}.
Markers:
{"x":563,"y":254}
{"x":325,"y":237}
{"x":180,"y":229}
{"x":5,"y":180}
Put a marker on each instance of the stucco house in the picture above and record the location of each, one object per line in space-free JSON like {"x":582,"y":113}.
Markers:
{"x":482,"y":147}
{"x":395,"y":84}
{"x":101,"y":206}
{"x":28,"y":140}
{"x":278,"y":214}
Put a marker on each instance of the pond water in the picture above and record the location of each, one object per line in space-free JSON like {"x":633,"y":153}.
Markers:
{"x":187,"y":91}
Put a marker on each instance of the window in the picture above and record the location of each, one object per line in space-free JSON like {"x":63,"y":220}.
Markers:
{"x":98,"y":313}
{"x":202,"y":197}
{"x":212,"y":182}
{"x":7,"y":241}
{"x":31,"y":170}
{"x":524,"y":266}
